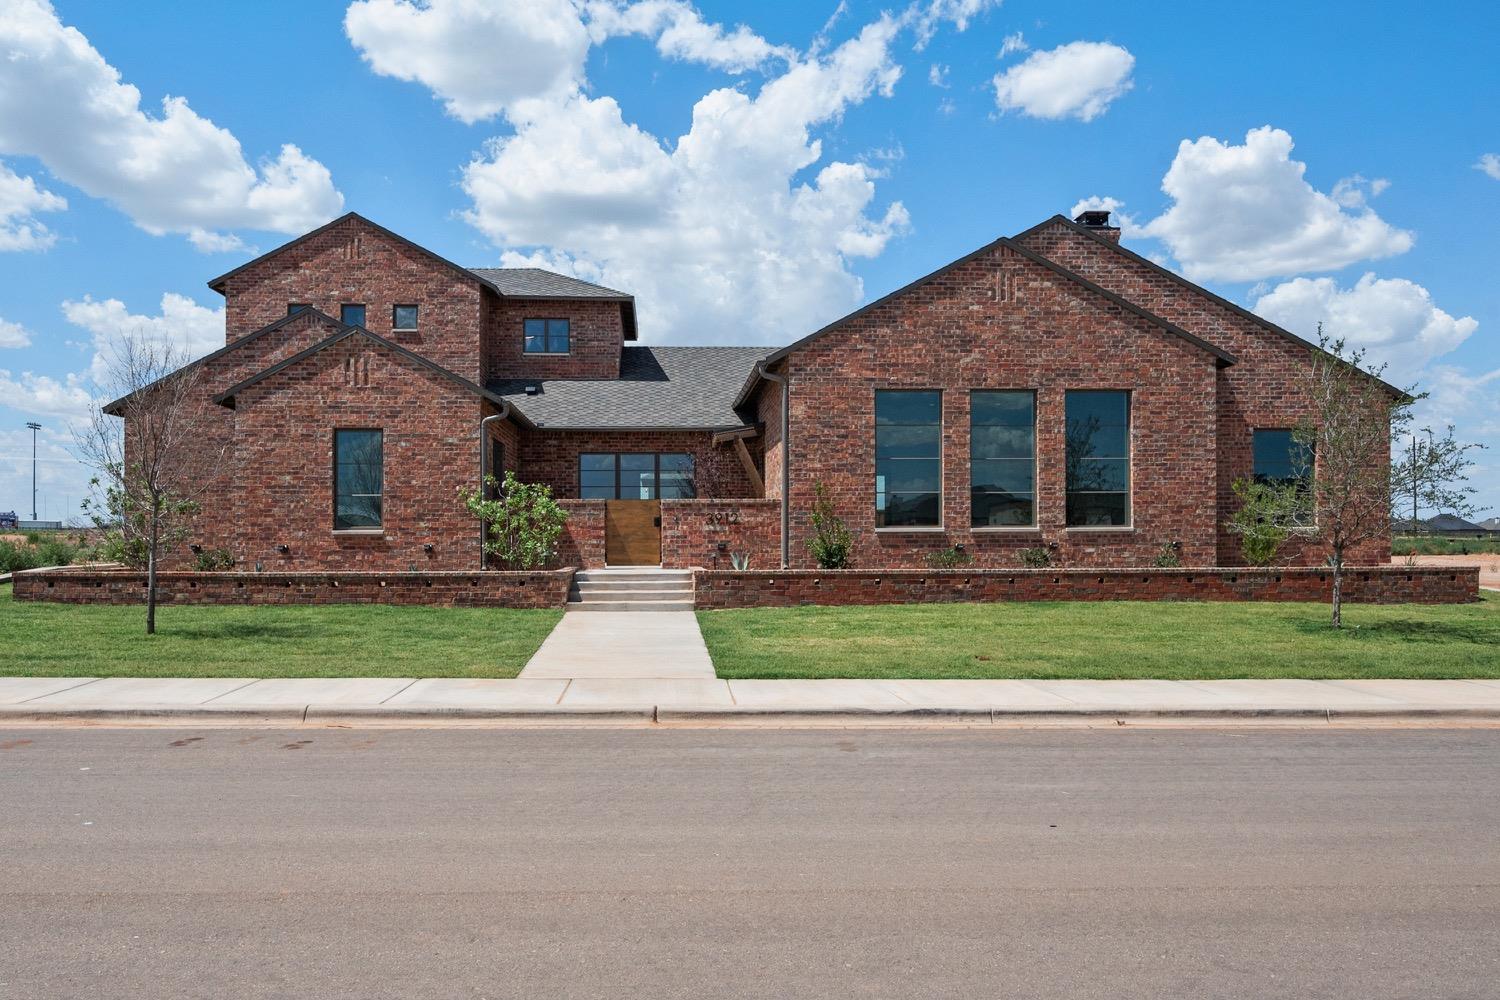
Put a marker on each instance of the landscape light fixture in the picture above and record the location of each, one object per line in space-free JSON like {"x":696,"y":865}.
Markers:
{"x":33,"y":426}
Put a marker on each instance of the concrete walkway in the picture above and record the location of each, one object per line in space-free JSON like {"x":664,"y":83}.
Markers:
{"x":623,"y":645}
{"x":706,"y":700}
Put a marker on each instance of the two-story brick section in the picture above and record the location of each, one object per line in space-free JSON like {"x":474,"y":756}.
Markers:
{"x":1052,"y":390}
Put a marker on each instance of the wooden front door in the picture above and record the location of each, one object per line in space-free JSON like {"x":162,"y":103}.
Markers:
{"x":632,"y":532}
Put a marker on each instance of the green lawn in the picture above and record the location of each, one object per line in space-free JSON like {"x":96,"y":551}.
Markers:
{"x":348,"y":640}
{"x":1427,"y":546}
{"x":1106,"y":640}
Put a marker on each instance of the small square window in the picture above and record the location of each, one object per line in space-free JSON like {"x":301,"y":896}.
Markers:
{"x":546,"y":336}
{"x":403,"y":317}
{"x":352,"y":314}
{"x":293,"y":308}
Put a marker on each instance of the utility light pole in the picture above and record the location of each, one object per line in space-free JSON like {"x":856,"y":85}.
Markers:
{"x":33,"y":426}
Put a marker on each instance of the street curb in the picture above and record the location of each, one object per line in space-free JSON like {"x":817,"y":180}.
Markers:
{"x":726,"y":715}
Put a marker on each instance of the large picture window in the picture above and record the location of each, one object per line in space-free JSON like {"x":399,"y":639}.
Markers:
{"x":547,"y":336}
{"x":1002,"y":459}
{"x":908,"y":458}
{"x":1281,"y":460}
{"x":358,"y":479}
{"x":636,"y":476}
{"x":1098,"y":459}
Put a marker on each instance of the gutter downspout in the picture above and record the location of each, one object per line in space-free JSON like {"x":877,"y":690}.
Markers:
{"x":786,"y":456}
{"x":484,"y":456}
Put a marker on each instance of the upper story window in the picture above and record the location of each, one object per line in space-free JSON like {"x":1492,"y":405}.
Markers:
{"x":404,"y":318}
{"x":292,"y":308}
{"x":908,"y":458}
{"x":358,"y":478}
{"x":1002,"y":459}
{"x":547,"y":336}
{"x":352,"y":314}
{"x":1281,"y":460}
{"x":1098,"y":458}
{"x":642,"y":476}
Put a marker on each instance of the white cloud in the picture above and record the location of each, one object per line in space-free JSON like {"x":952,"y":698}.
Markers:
{"x":479,"y":57}
{"x":681,"y":33}
{"x":188,"y":327}
{"x":713,"y":234}
{"x":1242,"y":213}
{"x":44,"y":396}
{"x":1077,"y":80}
{"x":1013,"y":42}
{"x":1490,"y":164}
{"x":177,"y":173}
{"x":1356,"y":191}
{"x":927,"y":17}
{"x":1394,"y":319}
{"x":13,"y":335}
{"x":20,"y":199}
{"x":937,"y":75}
{"x":61,"y":479}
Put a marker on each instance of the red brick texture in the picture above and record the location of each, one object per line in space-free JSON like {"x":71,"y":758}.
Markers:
{"x":708,"y":532}
{"x":1000,"y":321}
{"x":1262,"y":390}
{"x":582,"y":542}
{"x":355,"y":263}
{"x":595,"y":332}
{"x":540,"y":589}
{"x":1364,"y":585}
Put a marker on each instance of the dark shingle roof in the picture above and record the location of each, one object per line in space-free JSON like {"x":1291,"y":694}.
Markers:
{"x":689,"y":388}
{"x":534,"y":283}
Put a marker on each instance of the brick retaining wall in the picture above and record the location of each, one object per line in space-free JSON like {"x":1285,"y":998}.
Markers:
{"x":692,"y":532}
{"x":540,"y":589}
{"x":1363,"y":585}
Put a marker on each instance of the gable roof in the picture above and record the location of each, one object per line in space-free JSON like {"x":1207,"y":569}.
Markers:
{"x":659,"y":388}
{"x":113,"y":408}
{"x":226,"y":398}
{"x":1222,"y":357}
{"x":1166,"y":272}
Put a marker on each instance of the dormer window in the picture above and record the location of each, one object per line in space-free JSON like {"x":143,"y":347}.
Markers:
{"x":404,"y":319}
{"x":547,"y":336}
{"x":352,"y":314}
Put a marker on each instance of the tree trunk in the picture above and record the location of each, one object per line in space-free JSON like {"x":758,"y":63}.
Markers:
{"x":1338,"y":588}
{"x":151,"y":573}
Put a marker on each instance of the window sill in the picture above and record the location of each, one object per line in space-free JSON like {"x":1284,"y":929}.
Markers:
{"x":413,"y":330}
{"x":1007,"y":529}
{"x":1119,"y":529}
{"x":546,"y":354}
{"x":359,"y":531}
{"x":916,"y":529}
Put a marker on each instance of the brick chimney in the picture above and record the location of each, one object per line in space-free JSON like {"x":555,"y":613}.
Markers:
{"x":1097,"y":221}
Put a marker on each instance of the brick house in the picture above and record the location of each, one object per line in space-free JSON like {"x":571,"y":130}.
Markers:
{"x":1051,"y":389}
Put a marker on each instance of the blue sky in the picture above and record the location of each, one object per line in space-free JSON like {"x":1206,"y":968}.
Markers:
{"x":750,"y":171}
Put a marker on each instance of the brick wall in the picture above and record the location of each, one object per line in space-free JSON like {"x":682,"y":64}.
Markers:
{"x":999,"y":321}
{"x":284,"y":463}
{"x":1368,"y":585}
{"x":355,"y":263}
{"x":692,"y":532}
{"x":1263,"y":390}
{"x":539,"y":589}
{"x":551,"y":457}
{"x":582,"y":542}
{"x":595,"y":329}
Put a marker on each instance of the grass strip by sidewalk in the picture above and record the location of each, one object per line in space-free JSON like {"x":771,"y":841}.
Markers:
{"x":1107,"y":639}
{"x":334,"y":640}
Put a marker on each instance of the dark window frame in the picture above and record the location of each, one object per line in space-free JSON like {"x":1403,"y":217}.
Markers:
{"x":1129,"y":459}
{"x":1034,"y":523}
{"x":417,"y":309}
{"x":362,"y":307}
{"x":1306,"y":514}
{"x":547,"y":335}
{"x":368,"y":529}
{"x":938,"y":524}
{"x":656,"y":482}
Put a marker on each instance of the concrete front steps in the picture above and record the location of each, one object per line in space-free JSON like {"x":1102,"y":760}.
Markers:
{"x":632,"y":588}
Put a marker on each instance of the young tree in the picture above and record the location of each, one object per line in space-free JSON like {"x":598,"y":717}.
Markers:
{"x":152,"y":465}
{"x":1432,"y":475}
{"x":522,"y":522}
{"x":1353,"y":420}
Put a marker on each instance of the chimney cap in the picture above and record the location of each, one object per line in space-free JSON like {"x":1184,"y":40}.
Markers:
{"x":1094,"y":218}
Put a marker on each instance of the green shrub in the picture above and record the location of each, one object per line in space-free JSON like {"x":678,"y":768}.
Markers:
{"x":1265,"y":518}
{"x":14,"y":558}
{"x":214,"y":560}
{"x":523,"y":521}
{"x":1168,"y":556}
{"x":1039,"y":557}
{"x":949,"y":558}
{"x":55,"y":552}
{"x":831,"y":544}
{"x":740,"y":561}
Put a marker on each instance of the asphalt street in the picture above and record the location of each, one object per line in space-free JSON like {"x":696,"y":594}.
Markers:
{"x":707,"y":863}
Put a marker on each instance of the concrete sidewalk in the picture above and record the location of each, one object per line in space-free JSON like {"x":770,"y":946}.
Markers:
{"x":710,"y":701}
{"x":623,"y":645}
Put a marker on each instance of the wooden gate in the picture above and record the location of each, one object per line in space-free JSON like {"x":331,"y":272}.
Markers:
{"x":632,"y":532}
